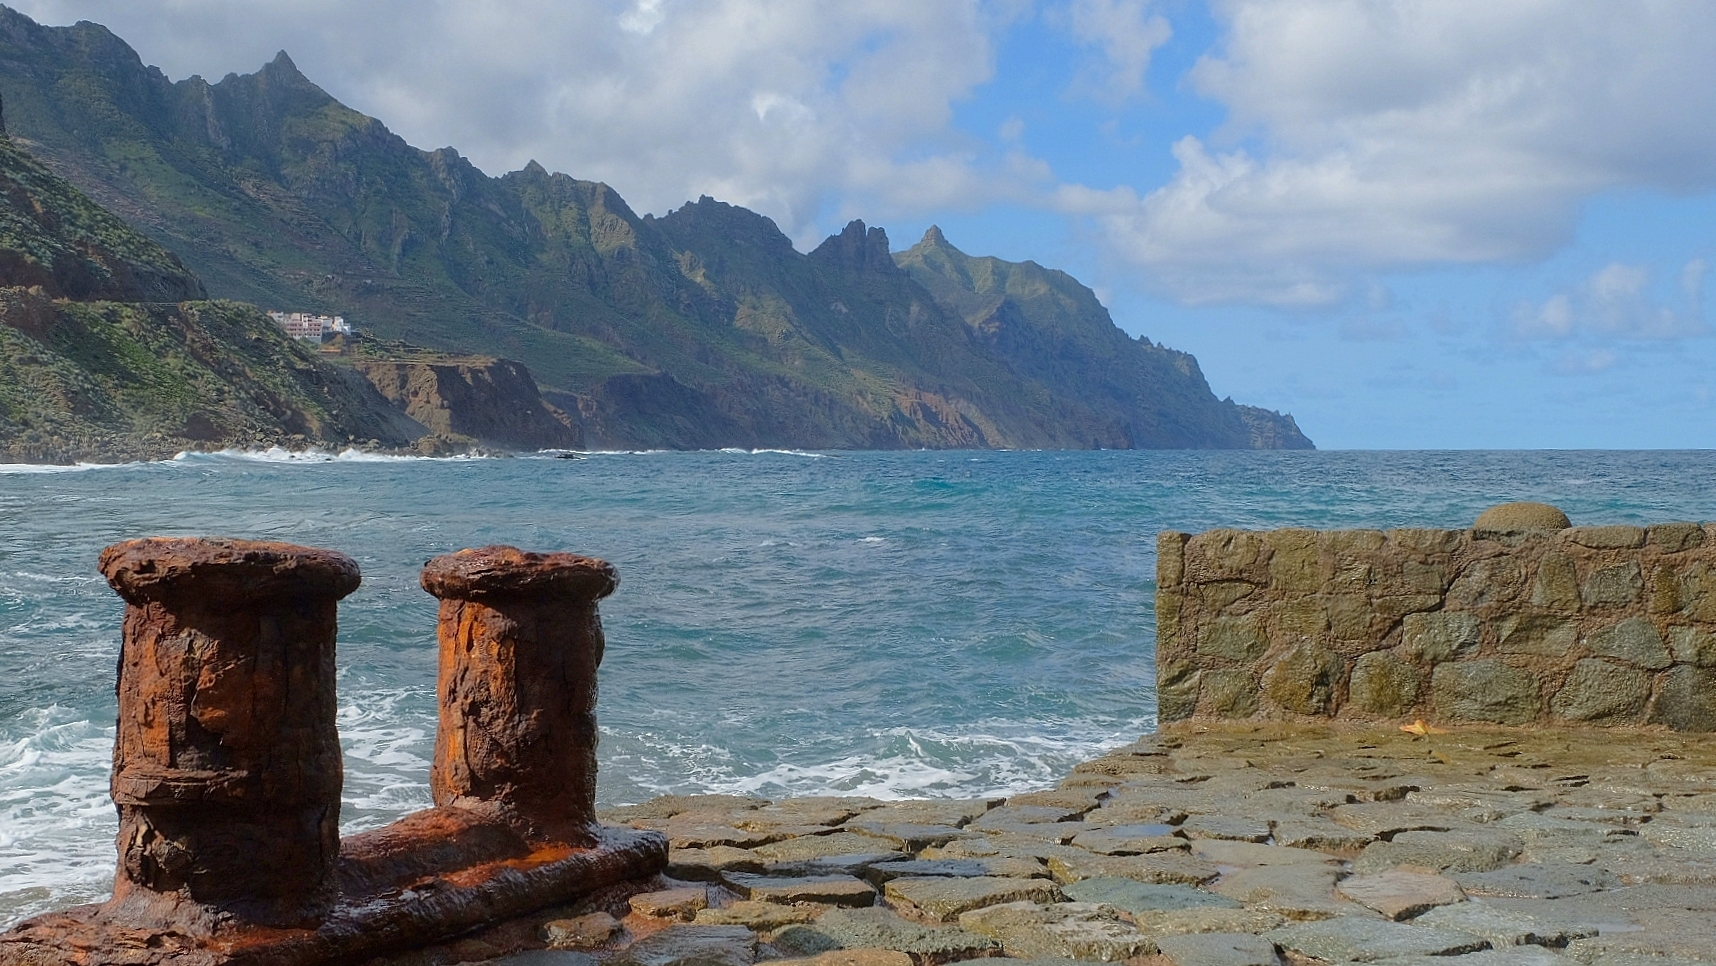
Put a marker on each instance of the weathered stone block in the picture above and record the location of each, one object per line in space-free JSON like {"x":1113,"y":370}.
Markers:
{"x":1634,"y":640}
{"x":1676,"y":537}
{"x":1424,"y":541}
{"x":1693,"y":645}
{"x":1389,"y":610}
{"x":1170,"y":608}
{"x":1176,"y":690}
{"x":1303,"y":679}
{"x":1383,"y":684}
{"x":1352,"y":577}
{"x":1548,"y":635}
{"x":1662,"y":593}
{"x":1170,"y":558}
{"x":1424,"y":578}
{"x":1557,"y":584}
{"x":1233,"y":638}
{"x":1348,"y":543}
{"x":1613,"y":586}
{"x":1228,"y":694}
{"x":1697,"y":595}
{"x":1607,"y":538}
{"x":1293,"y":562}
{"x":1298,"y":619}
{"x":1485,"y":690}
{"x":1349,"y":617}
{"x":1227,"y":555}
{"x":1489,"y":581}
{"x":1686,"y":700}
{"x":1602,"y":692}
{"x":1440,"y":636}
{"x":1222,"y":594}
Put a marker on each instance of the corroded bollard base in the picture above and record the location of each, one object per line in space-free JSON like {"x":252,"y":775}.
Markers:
{"x":430,"y":876}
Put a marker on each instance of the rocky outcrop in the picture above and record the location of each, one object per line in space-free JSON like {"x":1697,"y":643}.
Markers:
{"x":492,"y":401}
{"x":1507,"y":623}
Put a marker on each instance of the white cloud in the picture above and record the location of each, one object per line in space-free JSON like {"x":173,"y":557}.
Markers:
{"x":1127,"y":32}
{"x":1369,"y":135}
{"x":800,"y":109}
{"x":1619,"y":302}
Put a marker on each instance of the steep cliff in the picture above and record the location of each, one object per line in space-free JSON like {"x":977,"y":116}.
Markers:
{"x":491,"y":401}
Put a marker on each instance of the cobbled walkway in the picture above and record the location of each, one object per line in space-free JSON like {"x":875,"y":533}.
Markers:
{"x":1217,"y":846}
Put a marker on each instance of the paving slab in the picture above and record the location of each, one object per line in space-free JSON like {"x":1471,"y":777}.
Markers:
{"x":1236,"y":827}
{"x":820,"y":846}
{"x":881,"y":872}
{"x":706,"y":865}
{"x":883,"y":929}
{"x":758,"y":915}
{"x":1252,"y":855}
{"x":1467,"y":850}
{"x":1295,"y":891}
{"x":1218,"y":949}
{"x":546,"y":957}
{"x":1183,"y":922}
{"x":671,"y":903}
{"x":1354,"y":940}
{"x":693,"y":946}
{"x":579,"y":932}
{"x":833,"y":890}
{"x":1076,"y":930}
{"x":1401,"y":894}
{"x":1132,"y":896}
{"x":906,"y":836}
{"x":851,"y":957}
{"x":851,"y":863}
{"x":1512,"y":956}
{"x":1537,"y":880}
{"x":944,"y":899}
{"x":1129,"y":839}
{"x":1318,"y":833}
{"x":1503,"y":926}
{"x":1076,"y":864}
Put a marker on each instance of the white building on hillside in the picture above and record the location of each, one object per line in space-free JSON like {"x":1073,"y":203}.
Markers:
{"x":312,"y":328}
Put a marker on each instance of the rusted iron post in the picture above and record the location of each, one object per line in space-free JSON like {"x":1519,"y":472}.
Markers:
{"x":226,"y":769}
{"x":520,"y":641}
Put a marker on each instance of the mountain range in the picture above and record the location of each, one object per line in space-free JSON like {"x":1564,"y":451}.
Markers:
{"x":703,"y":327}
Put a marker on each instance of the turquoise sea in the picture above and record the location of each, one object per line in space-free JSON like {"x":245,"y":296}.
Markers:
{"x":887,"y":624}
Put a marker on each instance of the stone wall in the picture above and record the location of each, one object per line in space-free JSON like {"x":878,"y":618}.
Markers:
{"x":1611,"y":625}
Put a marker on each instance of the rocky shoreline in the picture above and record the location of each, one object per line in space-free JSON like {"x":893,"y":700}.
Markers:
{"x":1209,"y":845}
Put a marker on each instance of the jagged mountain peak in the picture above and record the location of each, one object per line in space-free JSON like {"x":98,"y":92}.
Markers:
{"x":858,"y":249}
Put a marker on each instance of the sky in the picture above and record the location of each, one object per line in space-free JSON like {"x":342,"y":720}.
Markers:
{"x":1411,"y":223}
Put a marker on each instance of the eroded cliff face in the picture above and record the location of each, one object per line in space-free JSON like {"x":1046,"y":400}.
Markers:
{"x":494,"y":402}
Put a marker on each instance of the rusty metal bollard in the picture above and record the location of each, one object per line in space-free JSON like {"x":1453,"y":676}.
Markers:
{"x":520,"y":641}
{"x":226,"y":769}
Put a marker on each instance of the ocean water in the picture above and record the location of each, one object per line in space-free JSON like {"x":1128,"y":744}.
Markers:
{"x":886,"y":624}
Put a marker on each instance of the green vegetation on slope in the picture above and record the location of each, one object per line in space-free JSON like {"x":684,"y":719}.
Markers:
{"x":700,"y":328}
{"x":107,"y":350}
